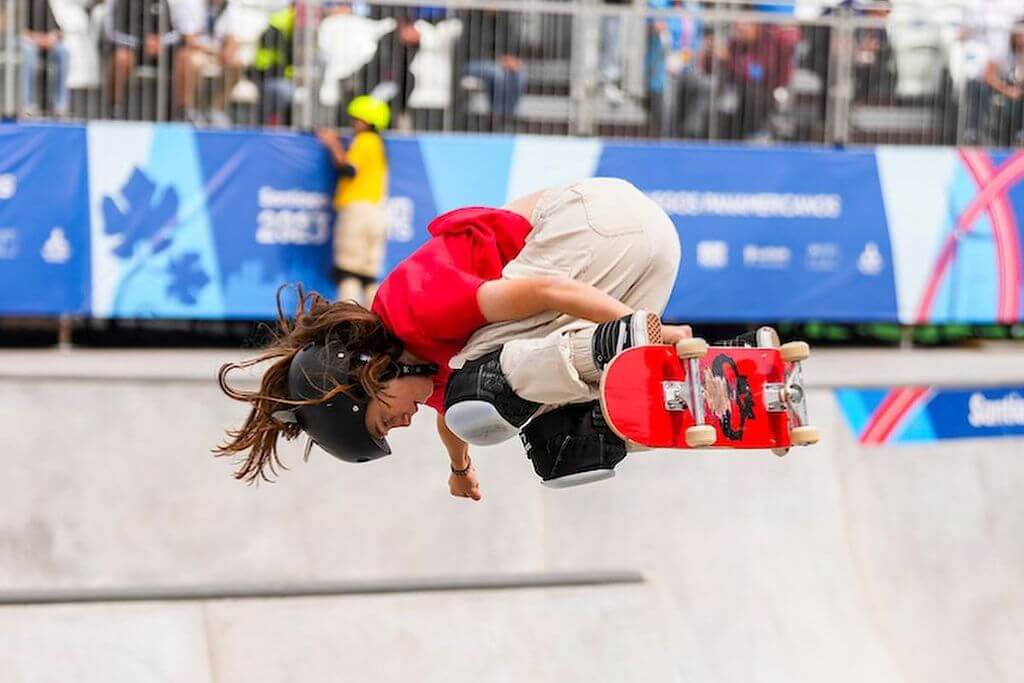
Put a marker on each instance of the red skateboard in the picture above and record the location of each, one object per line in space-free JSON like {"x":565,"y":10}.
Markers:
{"x":695,"y":396}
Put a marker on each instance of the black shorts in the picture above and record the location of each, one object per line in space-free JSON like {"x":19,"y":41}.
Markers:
{"x":142,"y":58}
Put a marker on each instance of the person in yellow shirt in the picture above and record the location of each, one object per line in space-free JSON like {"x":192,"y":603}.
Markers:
{"x":360,"y":231}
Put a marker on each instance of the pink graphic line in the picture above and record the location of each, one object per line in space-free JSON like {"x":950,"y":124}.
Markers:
{"x":894,"y":409}
{"x":1004,"y":227}
{"x":890,"y":413}
{"x":1005,"y":231}
{"x":1008,"y":175}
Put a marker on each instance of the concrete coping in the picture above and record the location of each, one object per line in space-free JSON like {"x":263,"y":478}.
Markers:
{"x":265,"y":591}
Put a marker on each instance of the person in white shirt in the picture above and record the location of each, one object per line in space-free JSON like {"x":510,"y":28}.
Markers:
{"x":207,"y":30}
{"x":985,"y":61}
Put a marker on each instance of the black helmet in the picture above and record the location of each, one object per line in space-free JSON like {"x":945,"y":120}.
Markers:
{"x":337,"y":426}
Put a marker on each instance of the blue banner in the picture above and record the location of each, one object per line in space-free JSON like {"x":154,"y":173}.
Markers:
{"x":205,"y":225}
{"x":147,"y":220}
{"x":769,"y":234}
{"x":44,"y":226}
{"x":880,"y":417}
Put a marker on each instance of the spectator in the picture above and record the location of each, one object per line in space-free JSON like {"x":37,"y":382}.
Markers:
{"x":206,"y":27}
{"x":140,"y":32}
{"x":608,"y":55}
{"x":873,"y":71}
{"x":672,"y":43}
{"x":756,"y":61}
{"x":274,"y":67}
{"x":360,"y":233}
{"x":1002,"y":92}
{"x":424,"y":73}
{"x":41,"y":42}
{"x":983,"y":64}
{"x":491,"y":46}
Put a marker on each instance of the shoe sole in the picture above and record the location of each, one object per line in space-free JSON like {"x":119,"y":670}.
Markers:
{"x":579,"y":479}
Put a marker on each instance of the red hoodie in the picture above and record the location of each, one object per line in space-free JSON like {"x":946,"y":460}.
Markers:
{"x":429,"y":299}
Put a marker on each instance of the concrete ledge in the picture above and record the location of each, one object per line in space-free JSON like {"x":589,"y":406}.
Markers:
{"x":492,"y":582}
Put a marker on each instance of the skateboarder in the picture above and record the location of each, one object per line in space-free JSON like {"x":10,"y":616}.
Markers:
{"x":502,"y":322}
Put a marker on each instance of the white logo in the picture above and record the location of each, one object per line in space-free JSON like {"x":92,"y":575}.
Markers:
{"x":8,"y":185}
{"x":1007,"y":411}
{"x":756,"y":256}
{"x":712,"y":254}
{"x":822,"y":256}
{"x":8,"y":244}
{"x":293,"y":226}
{"x":870,"y":261}
{"x":400,"y":212}
{"x":56,"y":249}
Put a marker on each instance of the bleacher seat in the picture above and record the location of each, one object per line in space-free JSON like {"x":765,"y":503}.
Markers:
{"x":347,"y":42}
{"x":431,"y":68}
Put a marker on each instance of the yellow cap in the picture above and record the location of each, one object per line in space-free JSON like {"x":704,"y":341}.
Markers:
{"x":370,"y":110}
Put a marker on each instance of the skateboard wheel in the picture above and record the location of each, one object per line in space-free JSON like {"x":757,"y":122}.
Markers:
{"x":793,"y":352}
{"x":781,"y":452}
{"x":803,"y":436}
{"x":700,"y":436}
{"x":691,"y":348}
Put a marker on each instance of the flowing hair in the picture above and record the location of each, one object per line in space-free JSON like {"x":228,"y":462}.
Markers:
{"x":315,"y":320}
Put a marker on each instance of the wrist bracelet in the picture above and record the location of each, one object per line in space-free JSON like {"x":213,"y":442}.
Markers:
{"x":464,"y":470}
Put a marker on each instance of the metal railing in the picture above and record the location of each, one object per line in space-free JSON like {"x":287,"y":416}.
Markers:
{"x":920,"y":73}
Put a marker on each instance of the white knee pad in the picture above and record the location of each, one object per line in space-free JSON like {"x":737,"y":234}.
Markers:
{"x":478,"y":423}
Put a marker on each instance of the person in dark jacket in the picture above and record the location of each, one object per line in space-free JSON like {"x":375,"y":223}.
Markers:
{"x":41,"y":41}
{"x":140,"y":32}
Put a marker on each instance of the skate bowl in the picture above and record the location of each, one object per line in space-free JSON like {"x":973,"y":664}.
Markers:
{"x":128,"y":553}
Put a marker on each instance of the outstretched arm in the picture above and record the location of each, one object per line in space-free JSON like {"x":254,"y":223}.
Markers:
{"x":460,"y":485}
{"x":517,"y":299}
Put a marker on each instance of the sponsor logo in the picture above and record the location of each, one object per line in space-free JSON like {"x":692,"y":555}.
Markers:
{"x":8,"y":244}
{"x":766,"y":256}
{"x":870,"y":261}
{"x":293,"y":217}
{"x":56,"y":249}
{"x":822,"y":257}
{"x":8,"y":185}
{"x":400,"y":214}
{"x":712,"y":254}
{"x":758,"y":205}
{"x":1007,"y":411}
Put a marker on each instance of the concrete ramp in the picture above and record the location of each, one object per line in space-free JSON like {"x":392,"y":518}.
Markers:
{"x":836,"y":563}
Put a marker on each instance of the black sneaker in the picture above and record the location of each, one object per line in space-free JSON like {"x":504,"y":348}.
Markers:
{"x":639,"y":328}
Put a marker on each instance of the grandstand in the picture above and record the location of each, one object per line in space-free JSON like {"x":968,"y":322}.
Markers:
{"x":847,"y":171}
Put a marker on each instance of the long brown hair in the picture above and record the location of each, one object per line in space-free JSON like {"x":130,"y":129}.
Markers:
{"x":315,"y":320}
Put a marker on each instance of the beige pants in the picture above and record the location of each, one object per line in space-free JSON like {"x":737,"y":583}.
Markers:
{"x":601,"y":231}
{"x":360,"y":239}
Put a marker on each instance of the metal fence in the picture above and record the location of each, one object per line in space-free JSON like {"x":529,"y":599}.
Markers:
{"x":915,"y":73}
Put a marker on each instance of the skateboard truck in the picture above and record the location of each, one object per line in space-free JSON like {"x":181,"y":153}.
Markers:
{"x":689,"y":394}
{"x":789,"y":396}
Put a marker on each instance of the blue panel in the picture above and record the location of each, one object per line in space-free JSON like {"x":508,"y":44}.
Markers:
{"x":857,"y":406}
{"x":467,"y":170}
{"x":44,"y":220}
{"x":269,"y":199}
{"x":769,"y":234}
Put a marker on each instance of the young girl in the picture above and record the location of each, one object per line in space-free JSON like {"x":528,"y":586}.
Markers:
{"x":502,"y":322}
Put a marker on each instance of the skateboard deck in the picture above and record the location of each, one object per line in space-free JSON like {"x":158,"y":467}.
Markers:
{"x":749,"y":396}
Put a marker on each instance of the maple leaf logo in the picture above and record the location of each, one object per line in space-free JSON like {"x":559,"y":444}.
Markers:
{"x":187,"y":278}
{"x":141,"y":217}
